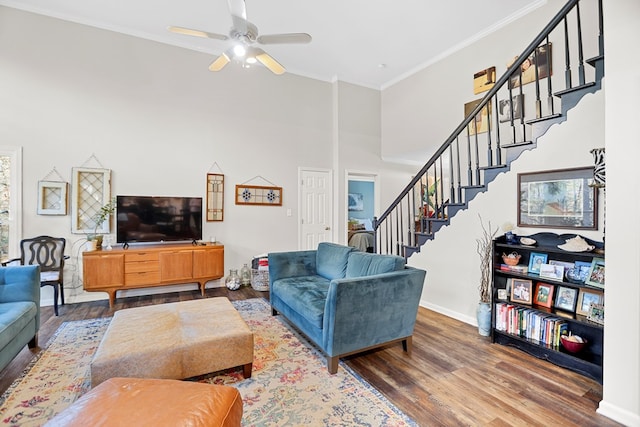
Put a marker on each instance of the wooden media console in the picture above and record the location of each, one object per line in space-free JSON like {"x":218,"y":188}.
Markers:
{"x":151,"y":266}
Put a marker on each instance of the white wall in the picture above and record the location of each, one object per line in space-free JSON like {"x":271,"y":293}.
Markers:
{"x":157,"y":118}
{"x":420,"y":112}
{"x":622,"y":294}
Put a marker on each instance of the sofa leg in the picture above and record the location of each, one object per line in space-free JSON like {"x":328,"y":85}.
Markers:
{"x":332,"y":364}
{"x":407,"y":345}
{"x":274,"y":312}
{"x":34,"y":342}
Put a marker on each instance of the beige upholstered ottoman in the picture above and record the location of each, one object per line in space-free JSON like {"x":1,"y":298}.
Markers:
{"x":174,"y":341}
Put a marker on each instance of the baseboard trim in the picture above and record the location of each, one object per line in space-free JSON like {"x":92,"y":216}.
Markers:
{"x":449,"y":313}
{"x":618,"y":414}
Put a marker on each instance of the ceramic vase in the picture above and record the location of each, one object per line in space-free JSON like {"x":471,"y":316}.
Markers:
{"x":484,"y":318}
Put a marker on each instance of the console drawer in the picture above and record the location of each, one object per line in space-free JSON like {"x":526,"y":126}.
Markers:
{"x":142,"y":278}
{"x":141,"y":256}
{"x":142,"y":267}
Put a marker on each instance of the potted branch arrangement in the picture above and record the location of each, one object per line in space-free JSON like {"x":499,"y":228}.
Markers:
{"x":483,"y":247}
{"x":99,"y":218}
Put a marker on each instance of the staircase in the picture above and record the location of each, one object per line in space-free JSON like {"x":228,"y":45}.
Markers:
{"x":518,"y":109}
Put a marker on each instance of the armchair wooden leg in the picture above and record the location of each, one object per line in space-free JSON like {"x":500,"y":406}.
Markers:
{"x":407,"y":345}
{"x":332,"y":364}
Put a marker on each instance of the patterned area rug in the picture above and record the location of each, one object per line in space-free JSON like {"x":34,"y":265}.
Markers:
{"x":290,"y":385}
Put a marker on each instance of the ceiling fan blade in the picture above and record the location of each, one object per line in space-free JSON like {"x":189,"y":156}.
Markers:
{"x":238,"y":8}
{"x":219,"y":63}
{"x":267,"y":60}
{"x":291,"y":38}
{"x":197,"y":33}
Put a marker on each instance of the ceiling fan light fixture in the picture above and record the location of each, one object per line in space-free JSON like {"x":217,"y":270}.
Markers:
{"x":239,"y":51}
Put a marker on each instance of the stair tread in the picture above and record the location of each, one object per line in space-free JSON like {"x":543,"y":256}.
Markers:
{"x":574,"y":89}
{"x":493,"y":167}
{"x":517,"y":144}
{"x":542,"y":119}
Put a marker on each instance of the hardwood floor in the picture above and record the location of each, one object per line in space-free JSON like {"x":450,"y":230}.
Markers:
{"x":454,"y":377}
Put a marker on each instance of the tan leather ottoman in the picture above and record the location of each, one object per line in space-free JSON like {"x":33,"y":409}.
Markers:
{"x":157,"y":403}
{"x":174,"y":341}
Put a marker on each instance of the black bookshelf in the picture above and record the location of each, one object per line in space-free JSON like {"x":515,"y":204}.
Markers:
{"x":588,"y":361}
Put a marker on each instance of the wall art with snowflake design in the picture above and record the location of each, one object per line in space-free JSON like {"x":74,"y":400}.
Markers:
{"x":258,"y":195}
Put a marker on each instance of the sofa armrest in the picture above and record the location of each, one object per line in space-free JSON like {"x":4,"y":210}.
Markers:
{"x":366,"y":311}
{"x":291,"y":264}
{"x":20,"y":283}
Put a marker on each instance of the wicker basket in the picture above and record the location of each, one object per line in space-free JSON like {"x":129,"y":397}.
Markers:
{"x":259,"y":280}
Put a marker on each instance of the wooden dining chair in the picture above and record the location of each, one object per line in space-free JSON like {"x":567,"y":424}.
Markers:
{"x":48,"y":253}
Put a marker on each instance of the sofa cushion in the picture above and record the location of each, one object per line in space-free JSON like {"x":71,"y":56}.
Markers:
{"x":306,"y":295}
{"x":362,"y":264}
{"x":331,"y":260}
{"x":14,"y":316}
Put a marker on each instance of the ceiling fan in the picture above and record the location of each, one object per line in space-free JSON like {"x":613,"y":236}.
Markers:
{"x":245,"y":38}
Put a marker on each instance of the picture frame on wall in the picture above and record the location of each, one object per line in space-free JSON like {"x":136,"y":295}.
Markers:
{"x":560,"y":198}
{"x":540,"y":59}
{"x":595,"y":277}
{"x":481,"y":122}
{"x":544,"y":294}
{"x":521,"y":291}
{"x":484,"y":80}
{"x":566,"y":298}
{"x":586,"y":297}
{"x":507,"y":106}
{"x":536,"y":260}
{"x":356,"y":202}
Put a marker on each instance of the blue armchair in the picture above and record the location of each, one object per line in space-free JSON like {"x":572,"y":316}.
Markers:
{"x":19,"y":310}
{"x":346,"y":301}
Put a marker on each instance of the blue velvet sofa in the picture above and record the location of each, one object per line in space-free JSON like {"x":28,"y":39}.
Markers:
{"x":19,"y":310}
{"x":346,"y":301}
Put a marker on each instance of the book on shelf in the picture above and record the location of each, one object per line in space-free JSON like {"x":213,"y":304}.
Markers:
{"x":541,"y":328}
{"x":522,"y":269}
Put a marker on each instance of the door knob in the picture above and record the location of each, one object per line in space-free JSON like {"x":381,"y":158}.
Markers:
{"x":327,"y":228}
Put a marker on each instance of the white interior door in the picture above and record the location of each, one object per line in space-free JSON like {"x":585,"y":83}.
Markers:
{"x":316,"y":198}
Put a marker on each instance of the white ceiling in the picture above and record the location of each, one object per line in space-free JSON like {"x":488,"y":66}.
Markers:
{"x":372,"y":43}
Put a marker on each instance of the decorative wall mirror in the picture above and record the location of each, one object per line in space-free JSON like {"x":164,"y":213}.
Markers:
{"x":215,"y":196}
{"x":52,"y":198}
{"x":91,"y":190}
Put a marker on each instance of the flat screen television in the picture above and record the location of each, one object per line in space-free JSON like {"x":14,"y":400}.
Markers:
{"x":158,"y":219}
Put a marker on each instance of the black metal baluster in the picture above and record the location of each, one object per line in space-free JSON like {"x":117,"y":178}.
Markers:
{"x":581,"y":79}
{"x":567,"y":57}
{"x":498,"y":150}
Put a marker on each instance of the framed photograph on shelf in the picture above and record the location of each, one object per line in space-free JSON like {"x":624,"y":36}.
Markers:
{"x":502,"y":294}
{"x":521,"y":291}
{"x":595,"y":277}
{"x":586,"y":297}
{"x":552,"y":271}
{"x":558,"y":199}
{"x":544,"y":294}
{"x":566,"y":298}
{"x":596,"y":313}
{"x":535,"y":262}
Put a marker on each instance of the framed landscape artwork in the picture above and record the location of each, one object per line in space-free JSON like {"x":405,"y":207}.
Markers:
{"x":558,"y":199}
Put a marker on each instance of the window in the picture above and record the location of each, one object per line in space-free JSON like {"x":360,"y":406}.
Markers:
{"x":10,"y":201}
